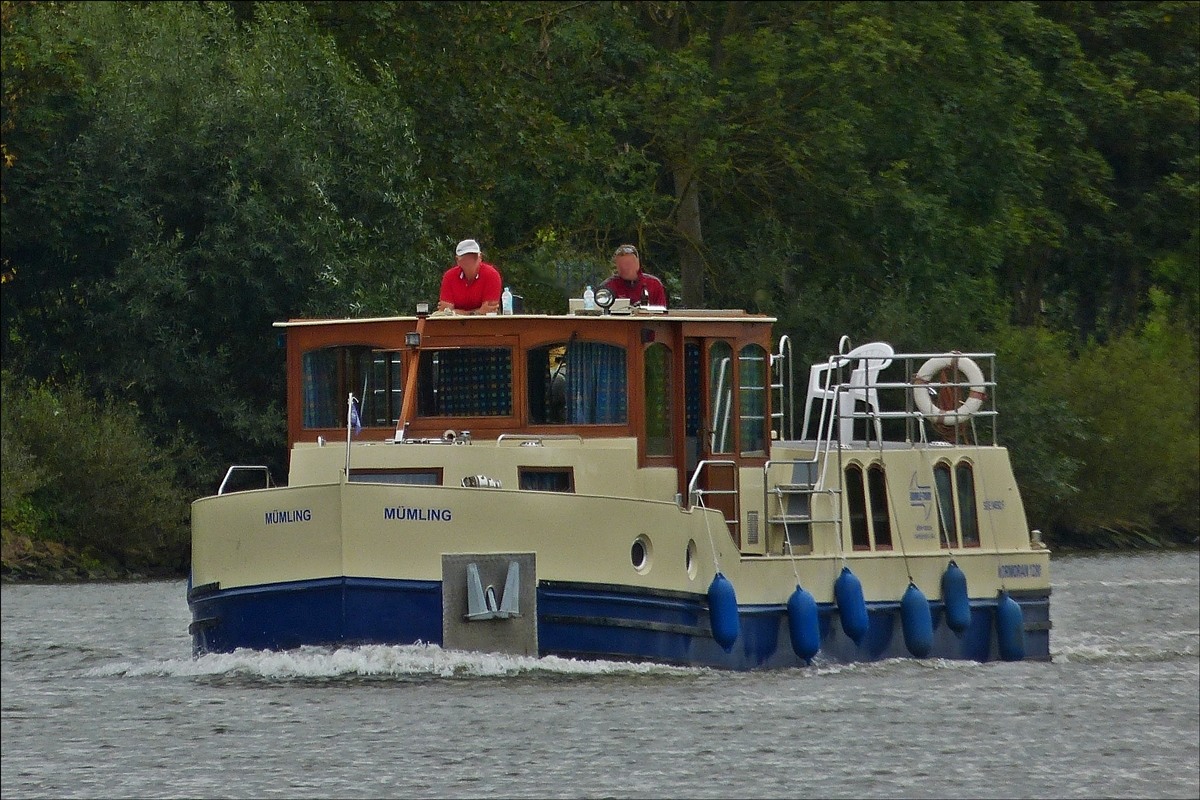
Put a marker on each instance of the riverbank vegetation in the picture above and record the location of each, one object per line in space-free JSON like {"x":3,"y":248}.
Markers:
{"x":1017,"y":177}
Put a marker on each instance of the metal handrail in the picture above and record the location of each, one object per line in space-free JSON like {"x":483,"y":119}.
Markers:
{"x":236,"y":467}
{"x":787,"y":389}
{"x":719,"y":462}
{"x":537,"y":437}
{"x":831,"y":411}
{"x":816,"y":487}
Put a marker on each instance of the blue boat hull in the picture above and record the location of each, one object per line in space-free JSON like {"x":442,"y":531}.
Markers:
{"x":577,"y":620}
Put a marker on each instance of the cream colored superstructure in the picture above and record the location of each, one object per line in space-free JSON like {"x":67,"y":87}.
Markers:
{"x":325,"y":526}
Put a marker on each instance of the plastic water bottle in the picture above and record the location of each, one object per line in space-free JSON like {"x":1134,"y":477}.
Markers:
{"x":506,"y":302}
{"x":589,"y":299}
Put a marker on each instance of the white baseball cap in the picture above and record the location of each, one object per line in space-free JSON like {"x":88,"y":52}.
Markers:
{"x":467,"y":246}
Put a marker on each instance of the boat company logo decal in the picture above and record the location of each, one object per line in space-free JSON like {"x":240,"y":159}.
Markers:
{"x":920,"y":496}
{"x":284,"y":517}
{"x":417,"y":514}
{"x":1019,"y":571}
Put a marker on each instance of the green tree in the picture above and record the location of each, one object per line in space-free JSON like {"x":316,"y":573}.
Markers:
{"x":219,"y":179}
{"x":86,"y":474}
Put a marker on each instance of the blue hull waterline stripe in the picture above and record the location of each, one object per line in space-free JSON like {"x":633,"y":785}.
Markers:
{"x":579,"y":620}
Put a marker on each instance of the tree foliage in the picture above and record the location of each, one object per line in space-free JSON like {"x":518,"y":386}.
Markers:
{"x":1014,"y":176}
{"x":86,"y":474}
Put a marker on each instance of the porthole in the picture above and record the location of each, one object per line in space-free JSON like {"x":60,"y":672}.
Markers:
{"x":640,"y":554}
{"x":690,"y":559}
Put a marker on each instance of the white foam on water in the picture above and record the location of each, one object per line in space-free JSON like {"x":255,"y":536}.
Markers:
{"x":820,"y":667}
{"x":1166,"y":646}
{"x":400,"y":661}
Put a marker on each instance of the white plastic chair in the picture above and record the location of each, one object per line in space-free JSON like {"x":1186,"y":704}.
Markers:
{"x":872,"y":359}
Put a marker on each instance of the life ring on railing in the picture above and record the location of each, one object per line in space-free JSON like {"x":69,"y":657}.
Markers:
{"x":952,"y":364}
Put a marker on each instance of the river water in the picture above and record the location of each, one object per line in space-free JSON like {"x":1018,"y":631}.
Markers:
{"x":101,"y":698}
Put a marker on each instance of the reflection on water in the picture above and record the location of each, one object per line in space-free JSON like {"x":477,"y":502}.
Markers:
{"x":102,"y":699}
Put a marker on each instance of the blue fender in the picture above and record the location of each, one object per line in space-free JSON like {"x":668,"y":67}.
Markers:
{"x":1010,"y":628}
{"x":804,"y":624}
{"x":917,"y":621}
{"x":955,"y":598}
{"x":723,"y":612}
{"x":852,"y":608}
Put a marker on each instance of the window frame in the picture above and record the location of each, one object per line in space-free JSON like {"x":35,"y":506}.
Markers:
{"x":438,"y":471}
{"x":569,"y":471}
{"x":947,"y":540}
{"x":877,"y":468}
{"x":857,"y":543}
{"x":961,"y":502}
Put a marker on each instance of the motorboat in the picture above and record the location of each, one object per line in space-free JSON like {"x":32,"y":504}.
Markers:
{"x":629,"y":484}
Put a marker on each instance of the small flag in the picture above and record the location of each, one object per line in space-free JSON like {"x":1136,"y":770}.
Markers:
{"x":355,"y":419}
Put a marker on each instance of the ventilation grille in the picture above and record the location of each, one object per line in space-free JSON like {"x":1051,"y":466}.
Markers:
{"x":751,"y":527}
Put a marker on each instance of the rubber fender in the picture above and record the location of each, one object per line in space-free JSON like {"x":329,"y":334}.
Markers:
{"x":916,"y":621}
{"x":804,"y":624}
{"x":852,"y":608}
{"x":1010,"y":628}
{"x":723,"y":612}
{"x":955,"y":598}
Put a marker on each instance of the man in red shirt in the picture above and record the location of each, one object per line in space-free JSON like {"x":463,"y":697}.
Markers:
{"x":471,"y":286}
{"x":631,"y":283}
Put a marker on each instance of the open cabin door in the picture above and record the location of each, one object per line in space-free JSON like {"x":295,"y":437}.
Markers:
{"x":711,"y":459}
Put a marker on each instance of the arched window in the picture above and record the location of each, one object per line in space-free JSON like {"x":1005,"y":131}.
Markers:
{"x":720,"y":396}
{"x":752,"y":398}
{"x":945,"y":502}
{"x":880,"y":519}
{"x":964,"y":477}
{"x":856,"y":502}
{"x":659,"y":439}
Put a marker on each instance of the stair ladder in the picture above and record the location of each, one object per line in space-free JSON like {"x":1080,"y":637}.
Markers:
{"x":789,"y":504}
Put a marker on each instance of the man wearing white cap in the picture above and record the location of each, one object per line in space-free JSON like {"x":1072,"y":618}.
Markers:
{"x":471,"y":286}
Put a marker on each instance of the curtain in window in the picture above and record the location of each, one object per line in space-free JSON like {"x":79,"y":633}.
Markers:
{"x":320,"y":389}
{"x":596,"y":383}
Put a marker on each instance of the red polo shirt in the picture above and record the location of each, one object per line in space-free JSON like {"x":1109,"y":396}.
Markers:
{"x":654,"y":294}
{"x":470,"y":295}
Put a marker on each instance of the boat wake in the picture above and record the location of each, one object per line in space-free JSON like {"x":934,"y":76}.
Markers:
{"x":401,"y":662}
{"x":1183,"y":645}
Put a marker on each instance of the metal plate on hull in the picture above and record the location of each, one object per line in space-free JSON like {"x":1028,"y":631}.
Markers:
{"x":516,"y":635}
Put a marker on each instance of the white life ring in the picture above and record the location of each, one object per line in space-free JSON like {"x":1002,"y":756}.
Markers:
{"x":924,"y":400}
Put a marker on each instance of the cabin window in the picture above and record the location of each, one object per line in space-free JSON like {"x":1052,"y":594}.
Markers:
{"x":964,"y":476}
{"x":577,"y":383}
{"x":880,"y":519}
{"x":546,"y":479}
{"x":658,"y":400}
{"x":752,"y":398}
{"x":945,"y":503}
{"x":720,"y":397}
{"x":546,"y":368}
{"x":323,"y":402}
{"x":465,"y":382}
{"x":401,"y":476}
{"x":856,"y":501}
{"x":332,"y":373}
{"x":381,"y":376}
